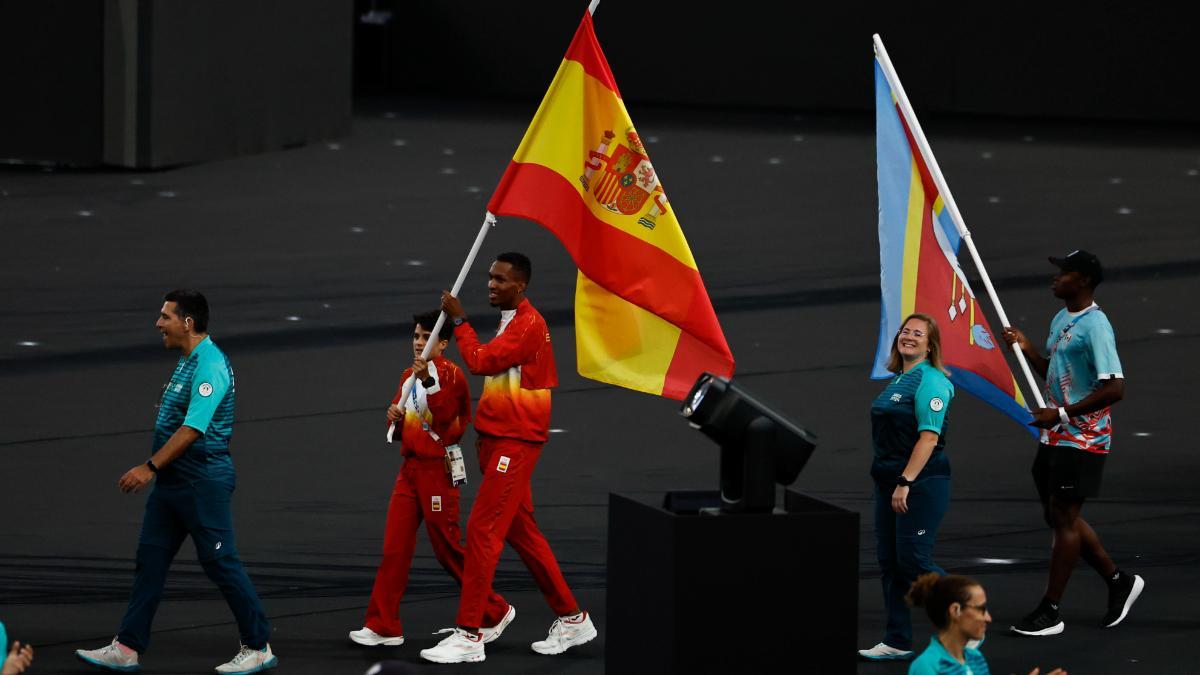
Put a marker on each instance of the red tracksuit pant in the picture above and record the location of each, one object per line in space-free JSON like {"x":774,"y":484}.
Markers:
{"x":422,"y":491}
{"x":503,"y":511}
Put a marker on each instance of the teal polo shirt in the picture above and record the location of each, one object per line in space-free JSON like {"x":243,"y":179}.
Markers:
{"x":200,"y":395}
{"x":935,"y":660}
{"x":912,"y":402}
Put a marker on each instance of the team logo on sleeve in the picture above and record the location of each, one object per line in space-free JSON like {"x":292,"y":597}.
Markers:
{"x":936,"y":404}
{"x":205,"y":389}
{"x":436,"y":503}
{"x":502,"y":465}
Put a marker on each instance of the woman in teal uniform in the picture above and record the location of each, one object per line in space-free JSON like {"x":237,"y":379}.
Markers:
{"x":957,"y":606}
{"x":911,"y":473}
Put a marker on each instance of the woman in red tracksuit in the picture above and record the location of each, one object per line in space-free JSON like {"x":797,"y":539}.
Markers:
{"x":423,"y":490}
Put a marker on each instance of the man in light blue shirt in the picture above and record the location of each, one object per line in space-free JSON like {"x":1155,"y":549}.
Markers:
{"x":1084,"y":379}
{"x":194,"y":480}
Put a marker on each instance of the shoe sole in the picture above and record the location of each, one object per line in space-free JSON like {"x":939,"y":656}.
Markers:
{"x":1138,"y":584}
{"x":1052,"y":630}
{"x":890,"y":657}
{"x":271,"y":663}
{"x":381,"y":641}
{"x":472,"y":658}
{"x":509,"y":616}
{"x":106,"y":666}
{"x":575,"y":642}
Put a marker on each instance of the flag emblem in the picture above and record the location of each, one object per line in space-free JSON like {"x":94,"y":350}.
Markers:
{"x":502,"y":465}
{"x":436,"y":503}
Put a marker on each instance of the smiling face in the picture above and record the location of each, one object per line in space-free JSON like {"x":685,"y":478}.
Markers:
{"x":913,"y":340}
{"x":972,"y":618}
{"x":174,"y":328}
{"x":506,"y":288}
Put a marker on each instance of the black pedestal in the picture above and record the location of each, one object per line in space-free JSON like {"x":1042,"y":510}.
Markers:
{"x":692,"y":593}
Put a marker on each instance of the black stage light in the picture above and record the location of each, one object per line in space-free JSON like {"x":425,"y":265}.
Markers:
{"x":759,"y":447}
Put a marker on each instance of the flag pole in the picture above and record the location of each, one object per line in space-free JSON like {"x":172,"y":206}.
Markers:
{"x":936,"y":172}
{"x":592,"y":6}
{"x":489,"y":221}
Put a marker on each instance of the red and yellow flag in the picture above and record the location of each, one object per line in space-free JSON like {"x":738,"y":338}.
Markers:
{"x":643,"y":319}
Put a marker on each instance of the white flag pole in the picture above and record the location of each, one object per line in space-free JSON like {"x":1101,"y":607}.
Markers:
{"x":906,"y":109}
{"x":592,"y":6}
{"x":489,"y":221}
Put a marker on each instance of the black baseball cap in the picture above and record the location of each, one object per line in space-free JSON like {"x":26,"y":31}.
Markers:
{"x":1082,"y":262}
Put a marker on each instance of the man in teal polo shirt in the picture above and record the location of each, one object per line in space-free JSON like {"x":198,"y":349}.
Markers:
{"x":191,"y":496}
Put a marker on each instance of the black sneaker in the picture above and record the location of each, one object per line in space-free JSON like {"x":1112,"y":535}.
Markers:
{"x":1121,"y":597}
{"x":1040,"y":622}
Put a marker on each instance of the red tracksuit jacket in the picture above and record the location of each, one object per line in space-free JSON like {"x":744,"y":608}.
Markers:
{"x":447,"y":409}
{"x":519,"y":363}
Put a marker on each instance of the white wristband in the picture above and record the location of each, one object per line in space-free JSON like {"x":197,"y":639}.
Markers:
{"x":1062,"y":415}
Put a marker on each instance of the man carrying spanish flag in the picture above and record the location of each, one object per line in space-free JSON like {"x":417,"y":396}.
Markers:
{"x":513,"y":423}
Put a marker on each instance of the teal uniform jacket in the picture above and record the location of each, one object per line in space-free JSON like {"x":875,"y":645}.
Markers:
{"x":935,"y":660}
{"x":912,"y":402}
{"x":200,"y":395}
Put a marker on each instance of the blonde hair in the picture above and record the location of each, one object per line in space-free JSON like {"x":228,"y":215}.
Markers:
{"x":896,"y":362}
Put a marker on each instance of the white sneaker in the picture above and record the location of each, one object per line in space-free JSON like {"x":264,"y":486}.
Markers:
{"x":882,"y":652}
{"x":493,"y":632}
{"x":249,"y":660}
{"x":112,"y":657}
{"x":565,"y":634}
{"x":370,"y":638}
{"x":459,"y":647}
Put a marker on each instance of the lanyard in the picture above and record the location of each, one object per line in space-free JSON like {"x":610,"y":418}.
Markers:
{"x":1067,"y":329}
{"x":417,"y":406}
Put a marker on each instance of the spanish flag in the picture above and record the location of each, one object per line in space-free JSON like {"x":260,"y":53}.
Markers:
{"x":643,"y":319}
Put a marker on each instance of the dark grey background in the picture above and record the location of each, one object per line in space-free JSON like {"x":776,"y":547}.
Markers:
{"x":313,"y":259}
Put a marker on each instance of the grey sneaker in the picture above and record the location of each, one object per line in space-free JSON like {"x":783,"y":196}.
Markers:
{"x":249,"y":660}
{"x":112,"y":657}
{"x":490,"y":633}
{"x":565,"y":634}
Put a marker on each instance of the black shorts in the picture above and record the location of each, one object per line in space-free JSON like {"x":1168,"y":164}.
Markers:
{"x":1067,"y":472}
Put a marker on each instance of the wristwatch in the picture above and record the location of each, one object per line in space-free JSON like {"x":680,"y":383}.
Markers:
{"x":458,"y":321}
{"x":901,"y":481}
{"x":428,"y":382}
{"x":150,"y":465}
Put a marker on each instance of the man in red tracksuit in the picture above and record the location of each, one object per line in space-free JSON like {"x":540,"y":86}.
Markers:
{"x":435,"y":420}
{"x":512,"y":422}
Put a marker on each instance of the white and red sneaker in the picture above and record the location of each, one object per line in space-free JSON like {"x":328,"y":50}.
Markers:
{"x":490,"y":633}
{"x":460,"y":647}
{"x":566,"y":632}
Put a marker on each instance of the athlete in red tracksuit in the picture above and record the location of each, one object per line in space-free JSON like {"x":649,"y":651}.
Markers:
{"x":512,"y":422}
{"x":423,"y":490}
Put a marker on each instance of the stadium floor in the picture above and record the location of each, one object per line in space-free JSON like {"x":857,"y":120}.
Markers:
{"x":314,"y":258}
